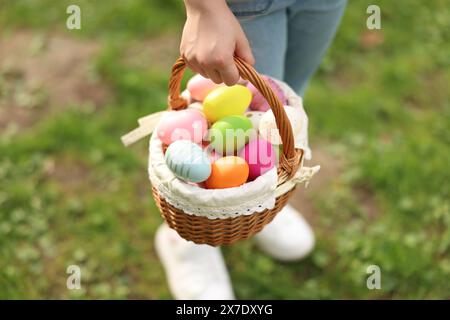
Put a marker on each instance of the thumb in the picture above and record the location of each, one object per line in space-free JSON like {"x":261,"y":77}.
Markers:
{"x":243,"y":50}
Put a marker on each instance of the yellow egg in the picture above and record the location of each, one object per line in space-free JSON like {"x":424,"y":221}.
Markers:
{"x":226,"y":101}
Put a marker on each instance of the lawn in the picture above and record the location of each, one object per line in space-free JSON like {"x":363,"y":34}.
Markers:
{"x":70,"y":193}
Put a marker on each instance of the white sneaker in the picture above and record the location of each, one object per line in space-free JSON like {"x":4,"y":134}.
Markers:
{"x":193,"y":271}
{"x":288,"y":237}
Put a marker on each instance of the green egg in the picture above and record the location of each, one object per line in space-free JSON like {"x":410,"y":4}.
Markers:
{"x":229,"y":134}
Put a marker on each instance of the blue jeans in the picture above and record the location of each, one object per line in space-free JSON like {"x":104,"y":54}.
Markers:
{"x":289,"y":37}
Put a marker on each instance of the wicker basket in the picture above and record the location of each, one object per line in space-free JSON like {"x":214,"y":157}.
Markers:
{"x":219,"y":231}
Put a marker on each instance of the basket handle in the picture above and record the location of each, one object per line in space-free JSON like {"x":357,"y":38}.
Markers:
{"x":289,"y":161}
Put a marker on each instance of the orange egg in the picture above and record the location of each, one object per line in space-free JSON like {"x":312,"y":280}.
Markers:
{"x":227,"y":172}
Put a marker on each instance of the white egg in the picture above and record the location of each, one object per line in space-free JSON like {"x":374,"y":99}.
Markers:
{"x":255,"y":117}
{"x":196,"y":105}
{"x":187,"y":95}
{"x":268,"y":127}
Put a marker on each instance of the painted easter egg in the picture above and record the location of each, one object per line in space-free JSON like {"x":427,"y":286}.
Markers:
{"x":186,"y":95}
{"x":268,"y":127}
{"x":188,"y":161}
{"x":196,"y":105}
{"x":242,"y":81}
{"x":255,"y":117}
{"x":199,"y":87}
{"x":260,"y":156}
{"x":230,"y":134}
{"x":227,"y":172}
{"x":258,"y":102}
{"x":225,"y":101}
{"x":188,"y":124}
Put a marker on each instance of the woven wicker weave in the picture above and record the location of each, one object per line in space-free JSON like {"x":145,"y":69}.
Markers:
{"x":203,"y":230}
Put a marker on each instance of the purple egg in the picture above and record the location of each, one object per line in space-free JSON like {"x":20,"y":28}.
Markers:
{"x":260,"y":156}
{"x":259,"y":103}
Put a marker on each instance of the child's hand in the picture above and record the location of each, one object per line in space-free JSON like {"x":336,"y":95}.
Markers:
{"x":211,"y":37}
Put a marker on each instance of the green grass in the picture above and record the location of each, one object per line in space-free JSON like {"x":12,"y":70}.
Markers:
{"x":134,"y":18}
{"x":70,"y":193}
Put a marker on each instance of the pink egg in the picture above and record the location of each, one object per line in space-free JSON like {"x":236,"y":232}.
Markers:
{"x":260,"y":156}
{"x":242,"y":82}
{"x":259,"y":103}
{"x":188,"y":124}
{"x":199,"y":87}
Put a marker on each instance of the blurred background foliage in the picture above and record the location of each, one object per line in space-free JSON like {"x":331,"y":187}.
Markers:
{"x":70,"y":193}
